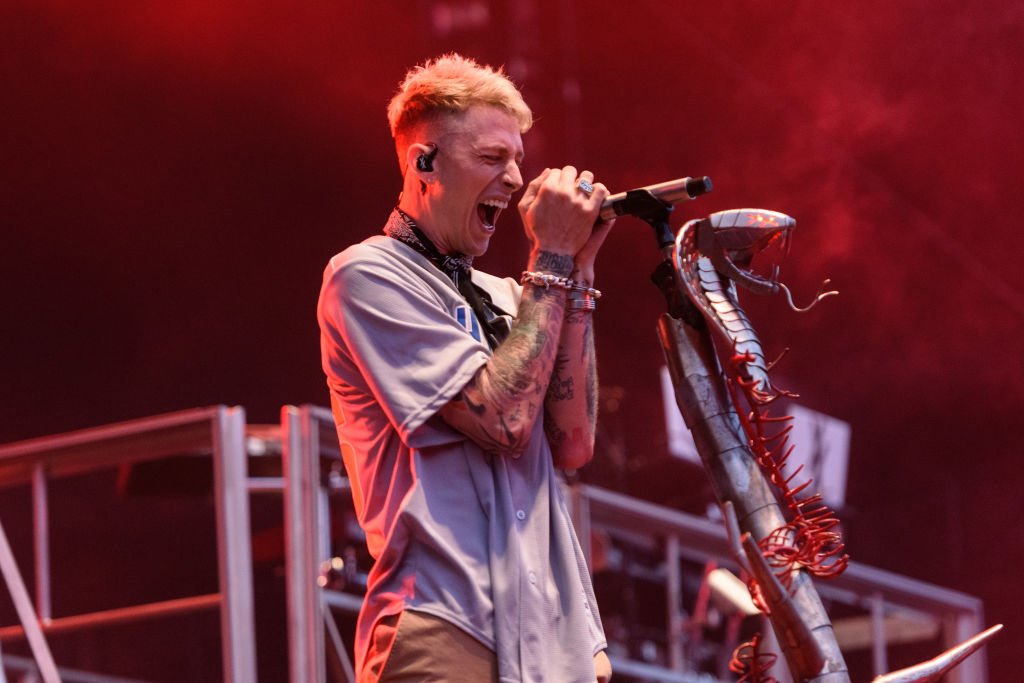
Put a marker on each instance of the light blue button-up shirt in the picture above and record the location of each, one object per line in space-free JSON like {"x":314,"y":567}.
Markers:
{"x":484,"y":542}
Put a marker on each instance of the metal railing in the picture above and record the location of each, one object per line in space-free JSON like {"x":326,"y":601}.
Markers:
{"x":217,"y":431}
{"x":310,"y":439}
{"x":310,"y":467}
{"x":882,"y":595}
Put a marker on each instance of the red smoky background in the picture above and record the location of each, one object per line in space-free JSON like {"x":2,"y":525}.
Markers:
{"x":176,"y":175}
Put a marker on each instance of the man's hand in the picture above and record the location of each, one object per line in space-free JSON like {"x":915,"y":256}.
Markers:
{"x":558,"y":216}
{"x":497,"y":409}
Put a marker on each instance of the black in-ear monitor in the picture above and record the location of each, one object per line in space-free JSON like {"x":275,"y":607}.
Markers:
{"x":425,"y":161}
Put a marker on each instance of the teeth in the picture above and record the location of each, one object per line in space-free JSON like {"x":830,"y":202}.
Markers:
{"x":497,"y":203}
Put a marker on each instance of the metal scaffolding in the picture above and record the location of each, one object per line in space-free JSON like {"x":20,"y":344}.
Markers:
{"x":891,"y":604}
{"x":879,"y":609}
{"x":216,"y":431}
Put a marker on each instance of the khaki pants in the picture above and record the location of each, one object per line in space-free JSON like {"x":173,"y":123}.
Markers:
{"x":413,"y":647}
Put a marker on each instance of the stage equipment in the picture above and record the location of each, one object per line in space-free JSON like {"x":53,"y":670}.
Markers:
{"x":216,"y":434}
{"x":723,"y":390}
{"x":641,"y":554}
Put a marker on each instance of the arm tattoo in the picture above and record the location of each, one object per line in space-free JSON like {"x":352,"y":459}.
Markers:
{"x":561,"y":387}
{"x":562,"y":264}
{"x":577,"y":316}
{"x":525,"y":344}
{"x":506,"y":396}
{"x":590,"y":361}
{"x":592,"y":390}
{"x":475,"y":408}
{"x":571,"y":401}
{"x":556,"y":436}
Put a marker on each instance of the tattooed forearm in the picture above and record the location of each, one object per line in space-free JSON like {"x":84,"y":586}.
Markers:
{"x":500,"y":405}
{"x":510,"y":372}
{"x":561,"y":389}
{"x":589,"y":358}
{"x":562,"y":383}
{"x":592,"y":391}
{"x":570,"y":420}
{"x":550,"y":262}
{"x":578,"y":316}
{"x":556,"y":437}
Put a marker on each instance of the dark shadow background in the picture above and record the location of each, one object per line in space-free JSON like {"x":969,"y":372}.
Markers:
{"x":176,"y":175}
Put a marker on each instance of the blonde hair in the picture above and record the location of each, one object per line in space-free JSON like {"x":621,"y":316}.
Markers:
{"x":450,"y":84}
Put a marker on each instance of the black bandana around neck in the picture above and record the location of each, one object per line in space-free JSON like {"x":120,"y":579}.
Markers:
{"x":458,"y":267}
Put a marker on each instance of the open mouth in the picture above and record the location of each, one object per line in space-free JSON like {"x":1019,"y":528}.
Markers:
{"x":488,"y":211}
{"x":767,"y":247}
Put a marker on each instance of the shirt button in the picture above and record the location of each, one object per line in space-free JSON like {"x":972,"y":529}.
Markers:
{"x":520,"y":515}
{"x":533,"y":578}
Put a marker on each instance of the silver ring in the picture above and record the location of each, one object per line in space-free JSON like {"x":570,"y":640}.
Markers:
{"x":586,"y":186}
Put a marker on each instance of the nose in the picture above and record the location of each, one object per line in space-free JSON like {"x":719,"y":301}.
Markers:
{"x":513,"y":177}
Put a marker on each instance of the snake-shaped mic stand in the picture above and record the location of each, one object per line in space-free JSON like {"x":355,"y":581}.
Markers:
{"x":781,"y":535}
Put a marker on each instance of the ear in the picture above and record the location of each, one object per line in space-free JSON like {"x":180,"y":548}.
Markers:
{"x":419,"y":158}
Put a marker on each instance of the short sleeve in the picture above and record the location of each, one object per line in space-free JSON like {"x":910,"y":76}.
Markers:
{"x":387,"y":330}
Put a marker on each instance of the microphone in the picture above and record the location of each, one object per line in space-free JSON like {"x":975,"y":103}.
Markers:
{"x":670,"y":192}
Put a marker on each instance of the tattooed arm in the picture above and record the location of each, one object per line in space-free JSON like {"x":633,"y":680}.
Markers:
{"x":498,"y":408}
{"x":570,"y":407}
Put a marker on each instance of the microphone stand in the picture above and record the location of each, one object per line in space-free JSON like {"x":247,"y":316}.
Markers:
{"x":802,"y":627}
{"x":752,"y":510}
{"x":645,"y":206}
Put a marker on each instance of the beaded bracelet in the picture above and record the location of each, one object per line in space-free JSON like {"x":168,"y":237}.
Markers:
{"x":548,"y":279}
